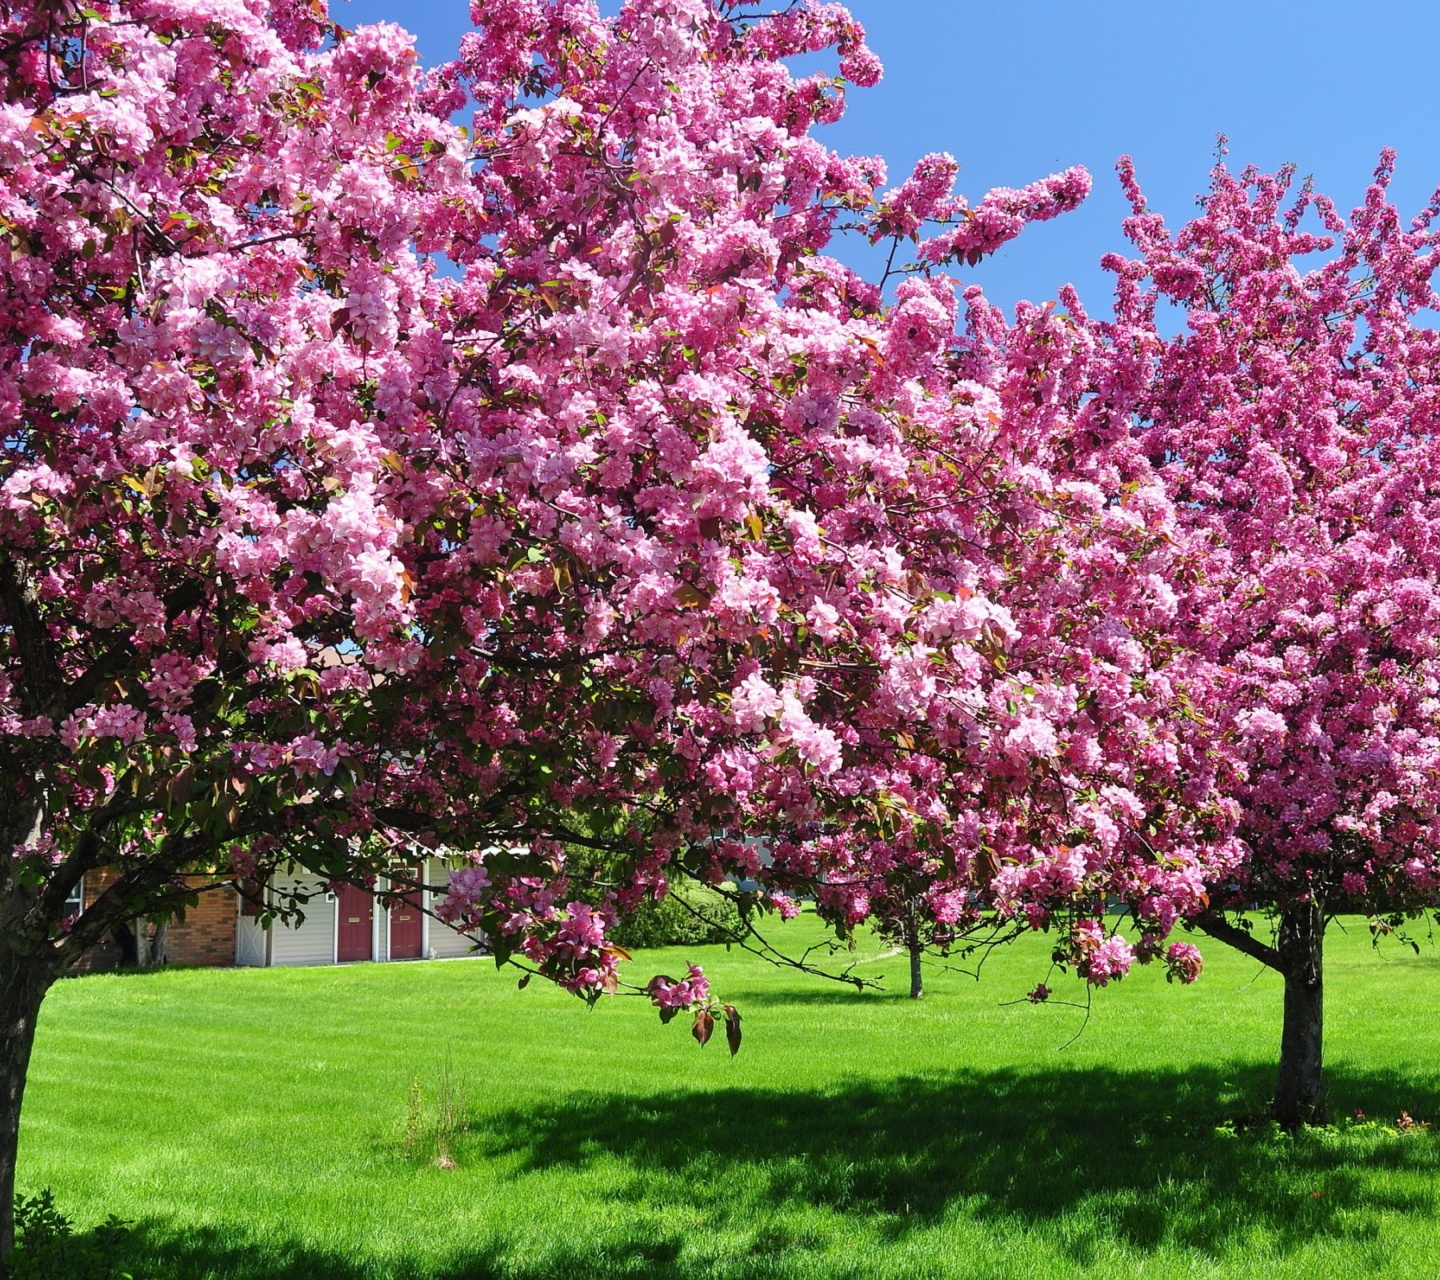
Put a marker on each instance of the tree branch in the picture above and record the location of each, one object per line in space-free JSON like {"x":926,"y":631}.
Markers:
{"x":42,"y":683}
{"x":132,"y":893}
{"x":88,"y":854}
{"x":1242,"y":940}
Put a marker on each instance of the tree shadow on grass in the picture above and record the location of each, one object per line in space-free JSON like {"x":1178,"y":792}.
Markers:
{"x":1147,"y":1156}
{"x":1091,"y":1159}
{"x":165,"y":1251}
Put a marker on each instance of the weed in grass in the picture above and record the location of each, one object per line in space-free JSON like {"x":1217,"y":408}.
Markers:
{"x":451,"y":1119}
{"x":412,"y":1134}
{"x":436,"y":1133}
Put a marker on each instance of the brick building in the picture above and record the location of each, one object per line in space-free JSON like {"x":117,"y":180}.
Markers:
{"x":205,"y":937}
{"x":339,"y":927}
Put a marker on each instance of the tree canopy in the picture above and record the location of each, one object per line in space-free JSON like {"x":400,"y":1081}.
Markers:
{"x":541,"y":489}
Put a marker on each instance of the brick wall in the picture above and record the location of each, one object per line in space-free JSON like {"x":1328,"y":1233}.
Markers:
{"x":206,"y":936}
{"x":208,"y":933}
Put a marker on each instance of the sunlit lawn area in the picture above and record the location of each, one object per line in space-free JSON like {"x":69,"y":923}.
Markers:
{"x":253,"y":1125}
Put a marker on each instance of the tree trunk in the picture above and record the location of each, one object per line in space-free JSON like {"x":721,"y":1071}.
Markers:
{"x":23,"y":984}
{"x":1299,"y":1091}
{"x":124,"y":937}
{"x":159,"y":943}
{"x":910,"y":936}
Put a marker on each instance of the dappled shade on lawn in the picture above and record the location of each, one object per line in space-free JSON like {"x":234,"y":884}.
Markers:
{"x":1131,"y":1159}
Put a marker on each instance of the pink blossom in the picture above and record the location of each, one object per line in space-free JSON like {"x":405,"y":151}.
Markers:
{"x":904,"y":209}
{"x":785,"y":905}
{"x":693,"y":989}
{"x":752,"y":703}
{"x":861,"y":67}
{"x":123,"y":722}
{"x":1183,"y":963}
{"x":312,"y":756}
{"x":1033,"y":736}
{"x":1111,"y":959}
{"x":583,"y":930}
{"x":814,"y":744}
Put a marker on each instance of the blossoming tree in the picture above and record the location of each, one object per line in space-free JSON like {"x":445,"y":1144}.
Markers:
{"x":875,"y":583}
{"x":1295,"y":423}
{"x":783,"y":515}
{"x":312,"y":550}
{"x":210,"y":281}
{"x":1002,"y":671}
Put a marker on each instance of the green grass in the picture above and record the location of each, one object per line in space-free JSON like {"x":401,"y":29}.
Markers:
{"x":253,"y":1125}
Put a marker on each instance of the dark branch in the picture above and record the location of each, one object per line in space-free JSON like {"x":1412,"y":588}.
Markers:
{"x":135,"y":891}
{"x":1242,"y":940}
{"x":42,"y":683}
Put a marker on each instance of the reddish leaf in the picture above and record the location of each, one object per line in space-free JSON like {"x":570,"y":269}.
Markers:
{"x":703,"y":1028}
{"x":180,"y":787}
{"x":732,"y":1028}
{"x":524,"y":982}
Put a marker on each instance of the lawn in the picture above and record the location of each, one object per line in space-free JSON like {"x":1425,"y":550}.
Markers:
{"x":253,"y":1125}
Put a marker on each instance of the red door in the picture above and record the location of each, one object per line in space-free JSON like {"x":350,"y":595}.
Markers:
{"x":405,"y":922}
{"x":357,"y":912}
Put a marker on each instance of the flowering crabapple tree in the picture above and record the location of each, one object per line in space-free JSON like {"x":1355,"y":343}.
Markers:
{"x":312,"y":552}
{"x":769,"y":519}
{"x":817,"y":571}
{"x":210,"y":277}
{"x":1294,"y":422}
{"x":284,"y":571}
{"x":993,"y":581}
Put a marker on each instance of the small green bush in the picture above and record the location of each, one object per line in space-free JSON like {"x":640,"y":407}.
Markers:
{"x":47,"y":1247}
{"x":690,"y":915}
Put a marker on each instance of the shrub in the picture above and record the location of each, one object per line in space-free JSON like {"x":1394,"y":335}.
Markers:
{"x":47,"y":1247}
{"x":689,"y":915}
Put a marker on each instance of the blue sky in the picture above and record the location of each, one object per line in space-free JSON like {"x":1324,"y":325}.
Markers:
{"x":1016,"y":89}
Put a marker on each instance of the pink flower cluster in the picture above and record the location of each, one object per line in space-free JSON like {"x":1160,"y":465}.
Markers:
{"x":785,"y":905}
{"x":692,"y":990}
{"x":1099,"y":958}
{"x":923,"y":195}
{"x":1003,"y":214}
{"x":1183,"y":963}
